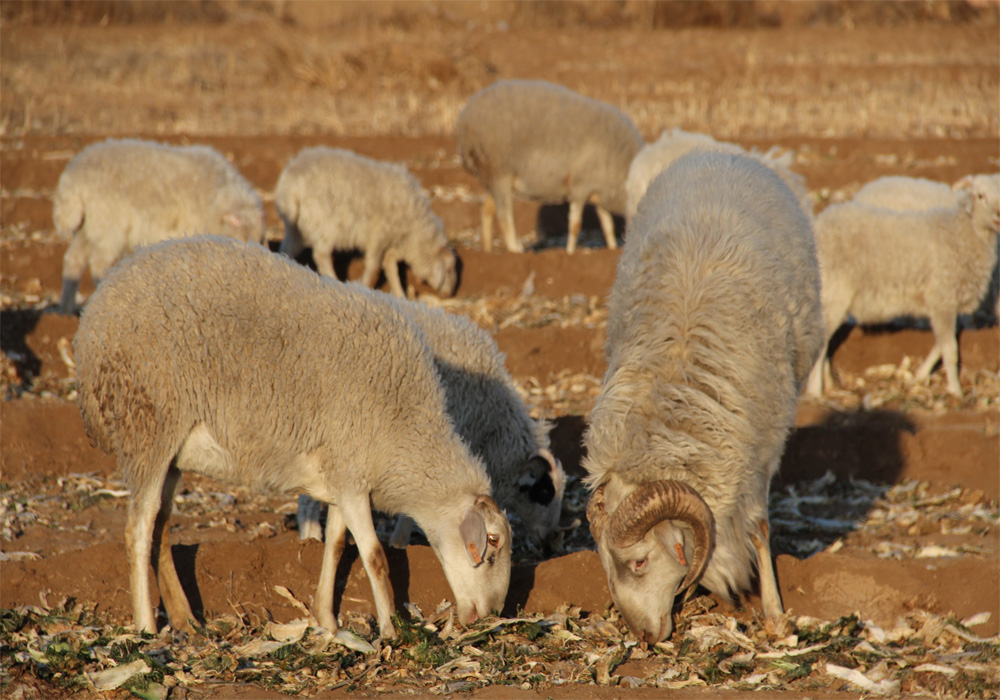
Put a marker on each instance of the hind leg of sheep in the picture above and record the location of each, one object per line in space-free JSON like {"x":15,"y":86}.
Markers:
{"x":608,"y":226}
{"x":171,"y":592}
{"x":357,"y":514}
{"x":292,"y":244}
{"x":489,"y":210}
{"x":74,"y":263}
{"x":139,"y":524}
{"x":503,"y":193}
{"x":401,"y":533}
{"x":336,"y":538}
{"x":769,"y":595}
{"x":575,"y":224}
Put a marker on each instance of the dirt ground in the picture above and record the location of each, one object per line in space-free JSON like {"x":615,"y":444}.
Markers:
{"x":905,"y":524}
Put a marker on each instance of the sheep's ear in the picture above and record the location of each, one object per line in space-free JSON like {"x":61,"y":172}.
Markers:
{"x":964,"y":184}
{"x":232,"y":219}
{"x":473,"y":531}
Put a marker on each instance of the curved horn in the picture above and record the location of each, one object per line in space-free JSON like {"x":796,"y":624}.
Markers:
{"x":657,"y":501}
{"x":596,"y":514}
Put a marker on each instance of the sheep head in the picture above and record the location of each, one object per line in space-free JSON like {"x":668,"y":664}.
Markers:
{"x":654,"y":542}
{"x":540,"y":494}
{"x":474,"y":549}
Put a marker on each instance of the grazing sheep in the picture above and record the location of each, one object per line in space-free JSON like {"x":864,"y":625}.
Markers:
{"x":117,"y":195}
{"x":657,"y":156}
{"x":878,"y":264}
{"x":214,"y":356}
{"x":335,"y":200}
{"x":490,"y":416}
{"x":547,"y":143}
{"x":714,"y":323}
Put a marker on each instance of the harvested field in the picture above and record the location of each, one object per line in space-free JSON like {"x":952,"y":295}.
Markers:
{"x":886,"y":512}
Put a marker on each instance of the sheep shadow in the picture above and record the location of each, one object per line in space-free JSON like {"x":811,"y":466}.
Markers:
{"x":552,"y":227}
{"x":832,"y":474}
{"x":15,"y":328}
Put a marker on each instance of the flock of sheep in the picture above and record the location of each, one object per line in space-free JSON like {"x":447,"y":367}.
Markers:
{"x":211,"y":354}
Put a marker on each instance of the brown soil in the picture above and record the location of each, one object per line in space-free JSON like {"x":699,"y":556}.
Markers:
{"x":909,"y":97}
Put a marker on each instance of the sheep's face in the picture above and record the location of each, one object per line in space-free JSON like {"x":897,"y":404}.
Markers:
{"x":540,"y":493}
{"x":475,"y":554}
{"x":644,"y":578}
{"x":985,"y":194}
{"x":244,"y":224}
{"x":655,"y":539}
{"x":443,"y":272}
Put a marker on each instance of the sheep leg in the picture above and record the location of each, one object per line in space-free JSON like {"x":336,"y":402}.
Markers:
{"x":489,"y":209}
{"x":308,"y":518}
{"x":390,"y":265}
{"x":373,"y":266}
{"x":401,"y":533}
{"x":814,"y":387}
{"x":769,"y":595}
{"x":323,"y":257}
{"x":74,"y":263}
{"x":504,"y":195}
{"x":608,"y":226}
{"x":944,"y":333}
{"x":171,"y":592}
{"x":139,"y":524}
{"x":336,"y":538}
{"x":575,"y":223}
{"x":927,"y":366}
{"x":357,"y":514}
{"x":292,"y":244}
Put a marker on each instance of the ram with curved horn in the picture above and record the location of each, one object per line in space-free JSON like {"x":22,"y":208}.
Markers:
{"x":714,"y":323}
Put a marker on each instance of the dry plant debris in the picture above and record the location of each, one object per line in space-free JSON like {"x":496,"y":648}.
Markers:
{"x":66,"y":647}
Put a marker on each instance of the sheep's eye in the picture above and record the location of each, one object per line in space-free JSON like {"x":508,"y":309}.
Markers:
{"x":493,"y":540}
{"x":640,"y":563}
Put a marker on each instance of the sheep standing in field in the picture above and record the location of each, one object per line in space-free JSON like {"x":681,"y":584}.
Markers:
{"x":217,"y":357}
{"x":657,"y":156}
{"x":546,"y":143}
{"x":335,"y":200}
{"x":878,"y":264}
{"x":901,"y":193}
{"x":117,"y":195}
{"x":714,"y":323}
{"x":490,"y":416}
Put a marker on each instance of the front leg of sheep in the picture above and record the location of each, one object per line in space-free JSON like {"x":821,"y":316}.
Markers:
{"x":357,"y":514}
{"x":336,"y":538}
{"x":946,"y":345}
{"x":607,"y":225}
{"x":390,"y":266}
{"x":770,"y":596}
{"x":74,"y":263}
{"x":575,"y":224}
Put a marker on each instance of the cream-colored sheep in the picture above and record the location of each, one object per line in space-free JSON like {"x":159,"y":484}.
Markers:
{"x":218,"y":357}
{"x":335,"y":200}
{"x":544,"y":142}
{"x":713,"y":324}
{"x":117,"y":195}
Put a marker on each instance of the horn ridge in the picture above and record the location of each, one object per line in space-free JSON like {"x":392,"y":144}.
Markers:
{"x":597,"y":514}
{"x":657,"y":501}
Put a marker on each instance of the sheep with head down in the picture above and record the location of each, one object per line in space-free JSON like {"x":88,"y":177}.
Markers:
{"x":714,"y":323}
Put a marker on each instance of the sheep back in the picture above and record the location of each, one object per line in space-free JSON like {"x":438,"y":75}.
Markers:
{"x":556,"y":144}
{"x":714,"y":324}
{"x":901,"y":193}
